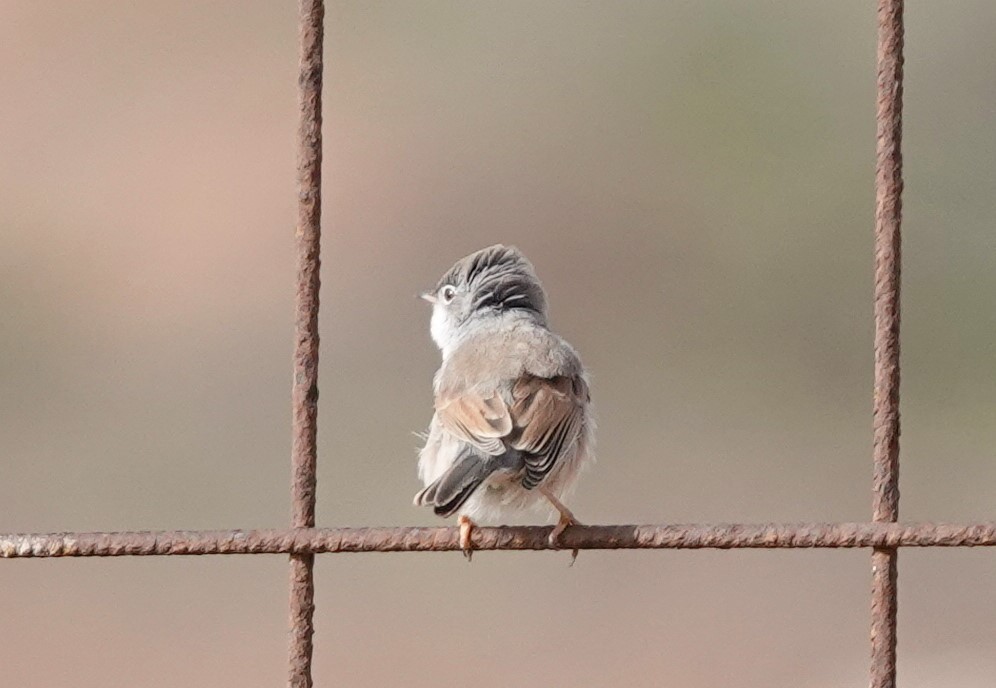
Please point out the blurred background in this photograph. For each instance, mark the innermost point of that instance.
(694, 183)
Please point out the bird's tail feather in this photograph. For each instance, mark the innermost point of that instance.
(454, 487)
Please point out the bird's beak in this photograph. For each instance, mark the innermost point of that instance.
(428, 296)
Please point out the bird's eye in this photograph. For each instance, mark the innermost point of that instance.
(447, 293)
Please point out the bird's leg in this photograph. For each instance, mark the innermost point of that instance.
(466, 526)
(566, 519)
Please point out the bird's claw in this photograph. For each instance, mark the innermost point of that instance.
(466, 528)
(562, 525)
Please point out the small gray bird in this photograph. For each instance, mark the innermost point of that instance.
(512, 427)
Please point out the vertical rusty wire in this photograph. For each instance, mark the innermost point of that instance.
(888, 219)
(304, 392)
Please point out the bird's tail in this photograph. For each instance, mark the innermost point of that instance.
(454, 487)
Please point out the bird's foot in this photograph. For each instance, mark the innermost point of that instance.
(566, 519)
(466, 527)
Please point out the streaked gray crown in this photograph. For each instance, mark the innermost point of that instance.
(497, 278)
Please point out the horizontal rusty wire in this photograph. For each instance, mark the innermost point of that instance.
(417, 539)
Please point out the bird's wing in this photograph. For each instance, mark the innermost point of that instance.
(547, 416)
(481, 420)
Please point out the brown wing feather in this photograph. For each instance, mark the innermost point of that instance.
(543, 421)
(547, 415)
(477, 420)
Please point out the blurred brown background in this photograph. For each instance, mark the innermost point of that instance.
(693, 181)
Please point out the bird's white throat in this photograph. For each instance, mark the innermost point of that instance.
(444, 331)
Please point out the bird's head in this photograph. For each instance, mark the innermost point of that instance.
(486, 284)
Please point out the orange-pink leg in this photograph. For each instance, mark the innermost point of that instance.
(565, 519)
(466, 527)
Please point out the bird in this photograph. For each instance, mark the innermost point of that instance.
(513, 426)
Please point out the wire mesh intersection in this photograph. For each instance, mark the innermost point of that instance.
(302, 541)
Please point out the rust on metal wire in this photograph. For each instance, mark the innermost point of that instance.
(304, 453)
(888, 216)
(303, 541)
(888, 222)
(310, 541)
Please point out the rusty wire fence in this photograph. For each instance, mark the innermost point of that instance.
(884, 535)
